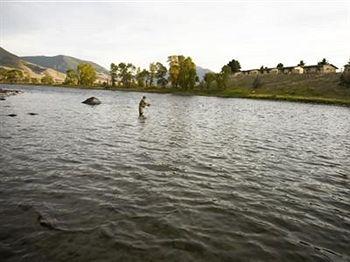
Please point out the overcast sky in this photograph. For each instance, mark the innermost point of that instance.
(212, 33)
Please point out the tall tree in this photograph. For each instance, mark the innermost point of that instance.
(141, 77)
(224, 76)
(174, 70)
(161, 74)
(152, 73)
(86, 74)
(279, 66)
(113, 73)
(209, 78)
(188, 74)
(235, 66)
(126, 74)
(71, 77)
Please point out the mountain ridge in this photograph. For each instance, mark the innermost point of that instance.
(9, 60)
(62, 63)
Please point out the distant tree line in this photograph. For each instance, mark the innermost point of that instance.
(181, 74)
(15, 76)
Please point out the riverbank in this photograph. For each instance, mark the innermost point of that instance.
(323, 89)
(227, 93)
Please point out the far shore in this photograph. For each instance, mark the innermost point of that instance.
(223, 93)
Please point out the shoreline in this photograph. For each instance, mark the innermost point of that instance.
(213, 93)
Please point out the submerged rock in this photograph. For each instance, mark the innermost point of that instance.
(5, 92)
(33, 114)
(92, 101)
(12, 115)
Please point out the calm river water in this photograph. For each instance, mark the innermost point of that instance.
(200, 179)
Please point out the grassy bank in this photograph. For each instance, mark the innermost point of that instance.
(323, 89)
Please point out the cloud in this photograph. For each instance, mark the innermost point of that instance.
(212, 33)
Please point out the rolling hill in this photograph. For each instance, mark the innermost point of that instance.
(62, 63)
(32, 70)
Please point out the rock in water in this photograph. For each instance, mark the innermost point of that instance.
(12, 115)
(92, 101)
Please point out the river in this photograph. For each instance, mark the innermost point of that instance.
(199, 179)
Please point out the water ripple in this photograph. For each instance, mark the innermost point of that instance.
(200, 179)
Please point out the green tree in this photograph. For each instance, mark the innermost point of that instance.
(47, 80)
(113, 73)
(161, 74)
(26, 79)
(209, 78)
(152, 73)
(279, 66)
(234, 65)
(224, 76)
(261, 70)
(323, 62)
(174, 69)
(301, 63)
(141, 77)
(71, 77)
(86, 74)
(34, 80)
(345, 76)
(14, 76)
(188, 74)
(3, 72)
(126, 74)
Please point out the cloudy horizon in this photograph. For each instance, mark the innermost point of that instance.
(256, 34)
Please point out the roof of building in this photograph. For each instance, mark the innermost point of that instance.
(318, 66)
(290, 67)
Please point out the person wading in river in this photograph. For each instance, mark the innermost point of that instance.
(142, 106)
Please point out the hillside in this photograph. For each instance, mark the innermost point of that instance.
(31, 70)
(323, 88)
(10, 60)
(62, 63)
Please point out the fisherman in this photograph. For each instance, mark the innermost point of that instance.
(142, 106)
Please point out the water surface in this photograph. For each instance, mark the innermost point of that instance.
(200, 179)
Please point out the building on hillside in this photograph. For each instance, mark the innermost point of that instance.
(316, 69)
(250, 72)
(320, 69)
(292, 70)
(273, 71)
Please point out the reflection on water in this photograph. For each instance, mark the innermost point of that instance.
(200, 179)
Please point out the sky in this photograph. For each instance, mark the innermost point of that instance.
(211, 32)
